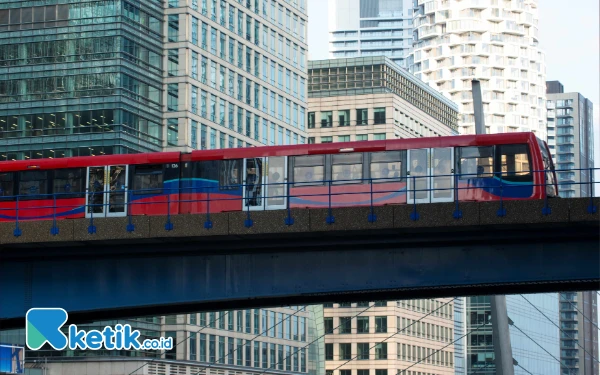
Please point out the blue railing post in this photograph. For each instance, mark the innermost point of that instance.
(92, 227)
(289, 220)
(169, 224)
(248, 222)
(414, 216)
(208, 224)
(130, 226)
(457, 214)
(546, 210)
(372, 217)
(54, 229)
(592, 208)
(17, 232)
(501, 211)
(330, 219)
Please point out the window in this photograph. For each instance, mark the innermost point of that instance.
(309, 170)
(382, 372)
(328, 322)
(379, 114)
(326, 119)
(345, 324)
(362, 349)
(362, 372)
(514, 163)
(387, 166)
(379, 137)
(311, 120)
(329, 352)
(33, 183)
(345, 351)
(344, 138)
(475, 162)
(347, 168)
(230, 177)
(362, 324)
(6, 184)
(326, 139)
(68, 183)
(362, 116)
(381, 324)
(381, 350)
(148, 179)
(362, 137)
(344, 117)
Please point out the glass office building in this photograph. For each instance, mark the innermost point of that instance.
(533, 332)
(80, 78)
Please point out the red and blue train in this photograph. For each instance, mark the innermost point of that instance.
(421, 170)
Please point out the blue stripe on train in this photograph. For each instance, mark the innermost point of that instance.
(497, 187)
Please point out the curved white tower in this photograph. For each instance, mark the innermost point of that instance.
(494, 41)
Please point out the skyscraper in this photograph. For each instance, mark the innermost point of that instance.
(493, 41)
(391, 337)
(236, 73)
(571, 139)
(579, 335)
(370, 28)
(83, 78)
(532, 334)
(372, 98)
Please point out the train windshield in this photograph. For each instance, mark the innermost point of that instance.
(548, 168)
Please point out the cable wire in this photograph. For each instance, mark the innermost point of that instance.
(246, 342)
(443, 347)
(524, 369)
(560, 329)
(397, 332)
(221, 316)
(575, 305)
(535, 342)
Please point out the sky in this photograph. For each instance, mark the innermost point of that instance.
(569, 35)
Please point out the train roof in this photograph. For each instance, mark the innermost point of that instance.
(287, 150)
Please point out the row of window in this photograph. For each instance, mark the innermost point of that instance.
(84, 13)
(424, 330)
(344, 324)
(240, 352)
(343, 118)
(71, 182)
(259, 322)
(348, 138)
(433, 306)
(405, 352)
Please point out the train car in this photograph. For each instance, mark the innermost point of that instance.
(94, 186)
(421, 170)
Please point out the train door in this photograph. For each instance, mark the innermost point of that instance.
(265, 185)
(106, 191)
(430, 175)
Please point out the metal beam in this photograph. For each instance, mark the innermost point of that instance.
(478, 107)
(151, 284)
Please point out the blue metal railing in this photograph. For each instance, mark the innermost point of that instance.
(125, 206)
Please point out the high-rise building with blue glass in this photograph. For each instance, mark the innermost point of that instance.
(80, 78)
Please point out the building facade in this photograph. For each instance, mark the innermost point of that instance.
(388, 337)
(236, 73)
(493, 41)
(371, 98)
(370, 28)
(287, 340)
(80, 79)
(571, 140)
(579, 333)
(533, 334)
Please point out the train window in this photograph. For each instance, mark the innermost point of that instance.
(230, 174)
(309, 170)
(7, 183)
(514, 163)
(148, 179)
(475, 162)
(69, 183)
(347, 168)
(386, 166)
(549, 168)
(32, 183)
